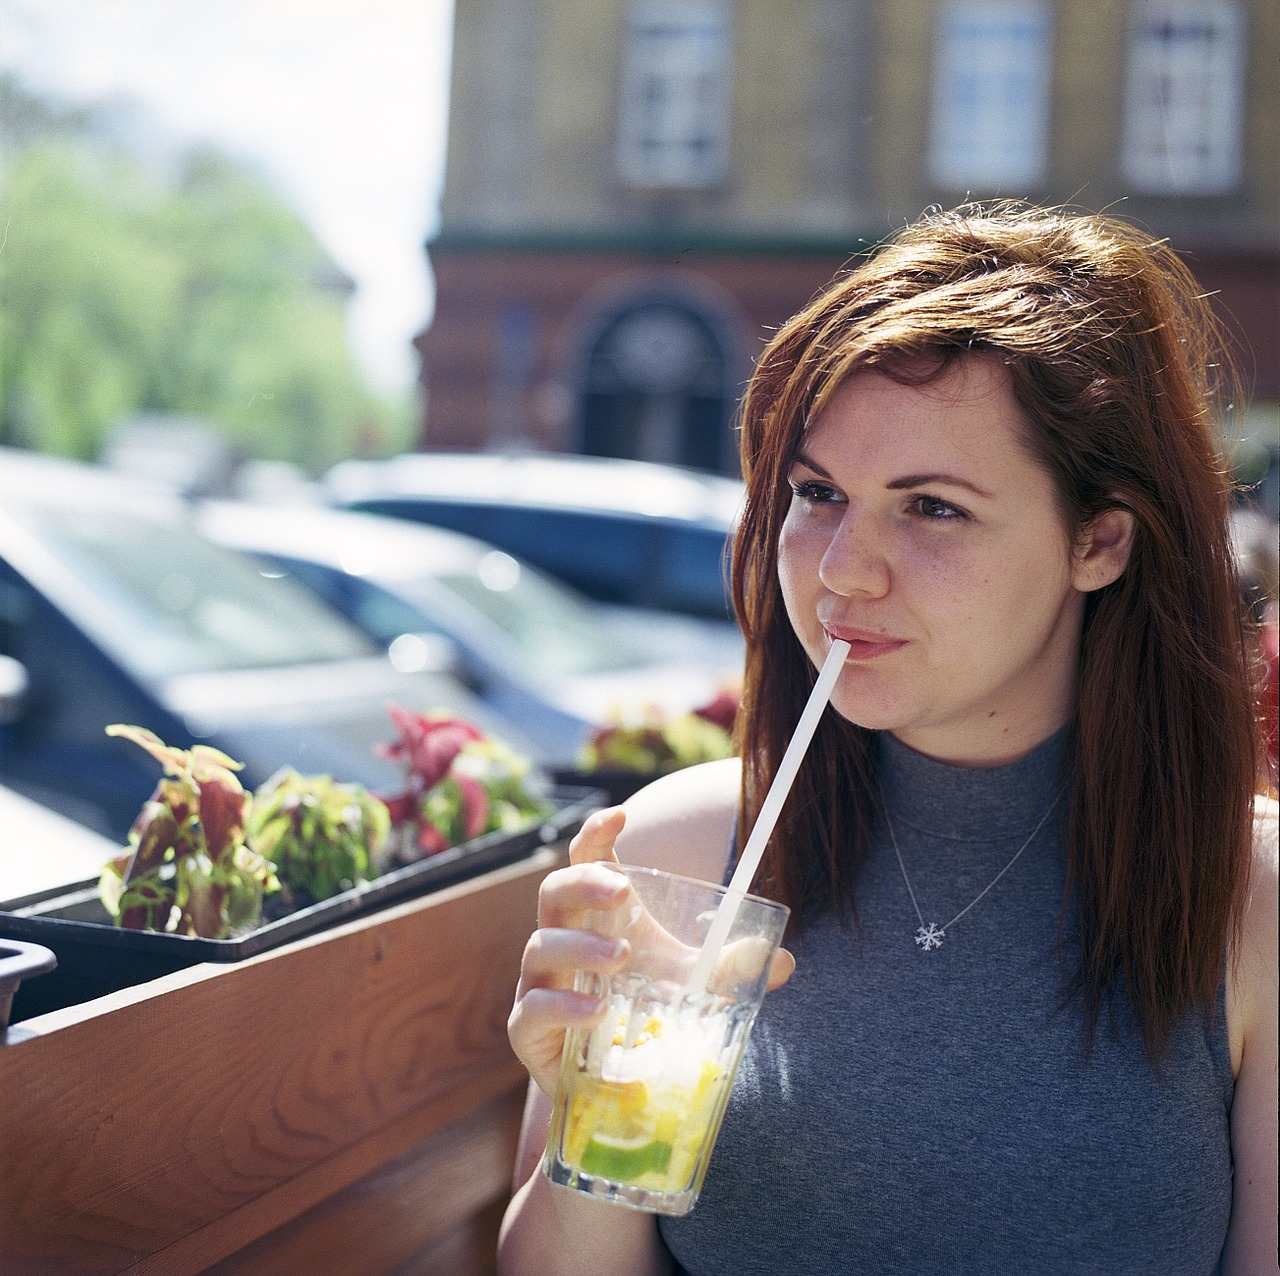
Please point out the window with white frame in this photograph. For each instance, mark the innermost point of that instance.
(990, 125)
(1184, 97)
(673, 118)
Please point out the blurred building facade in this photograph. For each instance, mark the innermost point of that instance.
(638, 192)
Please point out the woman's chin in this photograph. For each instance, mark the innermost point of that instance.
(870, 714)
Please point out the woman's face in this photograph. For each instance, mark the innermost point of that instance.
(922, 531)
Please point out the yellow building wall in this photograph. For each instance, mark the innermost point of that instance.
(576, 69)
(773, 111)
(899, 137)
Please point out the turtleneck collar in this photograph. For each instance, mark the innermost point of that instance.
(968, 802)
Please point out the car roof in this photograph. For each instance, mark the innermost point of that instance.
(353, 542)
(553, 480)
(31, 481)
(36, 479)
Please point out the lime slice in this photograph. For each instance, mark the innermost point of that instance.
(624, 1160)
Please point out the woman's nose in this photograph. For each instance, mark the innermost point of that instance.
(854, 561)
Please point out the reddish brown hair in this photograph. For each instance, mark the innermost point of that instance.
(1115, 359)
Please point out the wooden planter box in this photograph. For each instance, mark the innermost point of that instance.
(346, 1103)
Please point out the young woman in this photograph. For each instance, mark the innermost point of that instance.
(1032, 1019)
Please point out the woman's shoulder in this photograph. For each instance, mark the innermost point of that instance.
(1261, 905)
(683, 822)
(1262, 901)
(1266, 827)
(1253, 1028)
(1252, 977)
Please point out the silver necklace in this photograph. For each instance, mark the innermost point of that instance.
(930, 935)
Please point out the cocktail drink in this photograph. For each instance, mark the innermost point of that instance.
(641, 1095)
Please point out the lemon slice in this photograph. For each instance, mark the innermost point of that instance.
(624, 1160)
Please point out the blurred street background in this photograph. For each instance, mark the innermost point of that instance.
(330, 252)
(339, 228)
(368, 378)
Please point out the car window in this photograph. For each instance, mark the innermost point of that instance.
(456, 516)
(374, 609)
(549, 628)
(165, 602)
(691, 571)
(328, 584)
(379, 612)
(615, 558)
(605, 556)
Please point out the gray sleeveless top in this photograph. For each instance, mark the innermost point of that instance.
(907, 1111)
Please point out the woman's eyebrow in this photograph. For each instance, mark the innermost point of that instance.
(905, 483)
(803, 458)
(925, 480)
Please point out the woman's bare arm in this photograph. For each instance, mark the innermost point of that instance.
(1253, 988)
(681, 824)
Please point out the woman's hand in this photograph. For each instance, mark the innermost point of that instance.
(546, 1005)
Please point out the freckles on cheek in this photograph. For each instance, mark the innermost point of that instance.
(937, 572)
(952, 561)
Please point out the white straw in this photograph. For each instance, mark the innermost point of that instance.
(771, 808)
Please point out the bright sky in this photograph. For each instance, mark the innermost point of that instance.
(343, 102)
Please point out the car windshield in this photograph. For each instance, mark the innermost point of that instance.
(553, 629)
(165, 602)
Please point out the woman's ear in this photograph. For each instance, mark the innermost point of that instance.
(1102, 550)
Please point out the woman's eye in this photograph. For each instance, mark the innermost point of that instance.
(930, 507)
(814, 492)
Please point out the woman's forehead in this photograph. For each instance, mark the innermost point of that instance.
(971, 381)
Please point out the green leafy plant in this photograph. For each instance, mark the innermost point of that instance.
(132, 283)
(655, 742)
(323, 836)
(459, 784)
(188, 869)
(204, 853)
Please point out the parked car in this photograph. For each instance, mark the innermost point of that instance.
(620, 531)
(543, 656)
(113, 608)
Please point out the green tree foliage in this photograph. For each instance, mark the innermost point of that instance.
(185, 286)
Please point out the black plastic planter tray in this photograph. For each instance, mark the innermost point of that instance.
(95, 957)
(616, 786)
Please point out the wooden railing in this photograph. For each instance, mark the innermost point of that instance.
(347, 1103)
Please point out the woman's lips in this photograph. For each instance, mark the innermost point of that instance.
(864, 645)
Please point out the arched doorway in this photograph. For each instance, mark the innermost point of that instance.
(658, 381)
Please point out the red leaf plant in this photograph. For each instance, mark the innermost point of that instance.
(194, 821)
(459, 784)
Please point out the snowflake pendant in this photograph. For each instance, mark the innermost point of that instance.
(930, 936)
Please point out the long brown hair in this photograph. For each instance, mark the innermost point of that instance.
(1115, 360)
